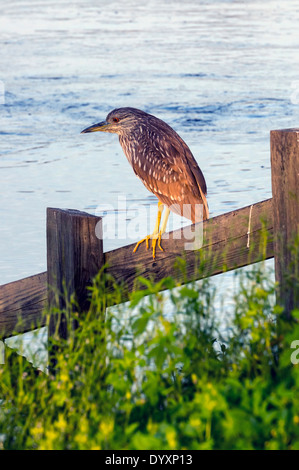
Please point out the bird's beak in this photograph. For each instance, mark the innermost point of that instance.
(101, 126)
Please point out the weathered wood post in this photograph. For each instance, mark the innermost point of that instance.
(74, 257)
(285, 189)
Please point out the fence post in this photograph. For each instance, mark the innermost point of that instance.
(285, 190)
(74, 257)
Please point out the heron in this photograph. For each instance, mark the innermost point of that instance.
(163, 162)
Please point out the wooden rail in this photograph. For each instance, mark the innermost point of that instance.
(238, 238)
(225, 240)
(22, 303)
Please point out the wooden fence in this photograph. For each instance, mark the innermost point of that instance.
(248, 235)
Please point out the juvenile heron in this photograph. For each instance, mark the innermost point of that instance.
(163, 162)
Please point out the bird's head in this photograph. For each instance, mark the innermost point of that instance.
(119, 121)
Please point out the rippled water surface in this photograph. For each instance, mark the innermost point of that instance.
(222, 73)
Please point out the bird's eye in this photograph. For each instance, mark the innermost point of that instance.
(115, 119)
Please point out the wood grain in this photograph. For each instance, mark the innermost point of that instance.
(74, 257)
(225, 241)
(224, 248)
(285, 188)
(22, 304)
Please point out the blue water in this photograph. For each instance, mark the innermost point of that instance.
(222, 73)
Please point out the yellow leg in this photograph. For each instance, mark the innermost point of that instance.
(156, 235)
(160, 233)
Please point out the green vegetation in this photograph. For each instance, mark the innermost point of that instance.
(161, 373)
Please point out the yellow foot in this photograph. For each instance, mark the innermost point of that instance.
(156, 237)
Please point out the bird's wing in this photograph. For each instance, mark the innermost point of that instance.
(195, 188)
(168, 169)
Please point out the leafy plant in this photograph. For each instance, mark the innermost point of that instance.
(159, 373)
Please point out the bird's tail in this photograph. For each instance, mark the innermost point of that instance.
(205, 207)
(205, 213)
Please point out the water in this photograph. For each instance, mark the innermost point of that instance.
(222, 73)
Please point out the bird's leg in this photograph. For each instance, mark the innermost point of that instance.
(160, 233)
(155, 235)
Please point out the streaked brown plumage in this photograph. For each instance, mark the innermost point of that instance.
(161, 159)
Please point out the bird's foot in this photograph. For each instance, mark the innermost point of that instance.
(156, 237)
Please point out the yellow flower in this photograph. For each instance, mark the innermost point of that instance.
(166, 324)
(61, 423)
(64, 377)
(81, 438)
(37, 430)
(195, 422)
(194, 378)
(210, 404)
(212, 389)
(171, 438)
(51, 436)
(152, 427)
(106, 427)
(84, 425)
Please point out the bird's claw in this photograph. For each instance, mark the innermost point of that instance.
(156, 237)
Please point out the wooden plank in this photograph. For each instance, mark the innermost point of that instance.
(74, 257)
(22, 303)
(225, 241)
(224, 248)
(285, 187)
